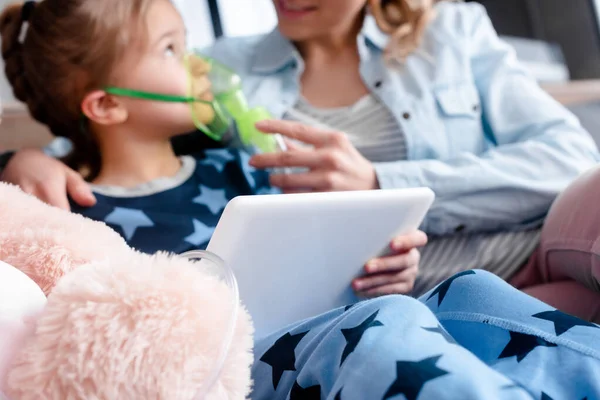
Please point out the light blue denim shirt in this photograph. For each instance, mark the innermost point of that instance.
(494, 147)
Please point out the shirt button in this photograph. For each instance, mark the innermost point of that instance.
(476, 107)
(406, 116)
(378, 84)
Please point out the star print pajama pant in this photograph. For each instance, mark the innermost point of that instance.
(472, 337)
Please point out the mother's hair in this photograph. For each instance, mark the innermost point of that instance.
(405, 21)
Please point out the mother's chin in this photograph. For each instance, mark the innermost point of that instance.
(302, 20)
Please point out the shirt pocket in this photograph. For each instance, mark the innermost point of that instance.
(459, 108)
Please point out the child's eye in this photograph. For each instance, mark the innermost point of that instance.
(170, 51)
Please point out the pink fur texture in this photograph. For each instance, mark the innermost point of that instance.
(118, 324)
(146, 327)
(46, 243)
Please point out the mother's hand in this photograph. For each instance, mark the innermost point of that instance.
(333, 165)
(47, 179)
(395, 273)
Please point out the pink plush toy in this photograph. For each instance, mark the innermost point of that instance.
(21, 303)
(117, 324)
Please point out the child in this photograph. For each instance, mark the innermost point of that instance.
(76, 53)
(156, 200)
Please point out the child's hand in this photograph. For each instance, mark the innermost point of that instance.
(393, 274)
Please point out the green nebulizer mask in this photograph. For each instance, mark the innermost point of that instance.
(227, 89)
(207, 114)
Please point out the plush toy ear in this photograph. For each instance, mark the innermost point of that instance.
(21, 303)
(46, 243)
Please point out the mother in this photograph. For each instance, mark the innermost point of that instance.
(399, 93)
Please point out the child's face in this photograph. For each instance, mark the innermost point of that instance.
(160, 68)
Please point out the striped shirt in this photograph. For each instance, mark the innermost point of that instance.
(374, 132)
(370, 127)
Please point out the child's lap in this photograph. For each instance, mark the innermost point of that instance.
(501, 344)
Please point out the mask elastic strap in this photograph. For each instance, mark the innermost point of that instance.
(138, 94)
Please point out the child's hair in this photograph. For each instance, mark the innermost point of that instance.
(69, 48)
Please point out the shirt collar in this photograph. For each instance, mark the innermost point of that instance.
(275, 52)
(375, 36)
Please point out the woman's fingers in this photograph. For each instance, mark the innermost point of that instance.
(393, 274)
(44, 177)
(294, 146)
(396, 262)
(53, 193)
(401, 282)
(79, 190)
(290, 158)
(298, 131)
(409, 241)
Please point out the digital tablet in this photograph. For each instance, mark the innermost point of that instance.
(294, 256)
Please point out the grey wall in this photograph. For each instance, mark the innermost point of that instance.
(573, 24)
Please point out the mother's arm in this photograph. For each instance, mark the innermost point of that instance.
(541, 148)
(41, 174)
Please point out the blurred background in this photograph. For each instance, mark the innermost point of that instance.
(557, 40)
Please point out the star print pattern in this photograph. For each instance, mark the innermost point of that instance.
(249, 172)
(129, 220)
(411, 376)
(202, 233)
(338, 396)
(214, 199)
(354, 335)
(521, 345)
(310, 393)
(563, 322)
(218, 158)
(442, 289)
(386, 355)
(182, 218)
(282, 355)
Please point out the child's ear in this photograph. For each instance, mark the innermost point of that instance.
(103, 108)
